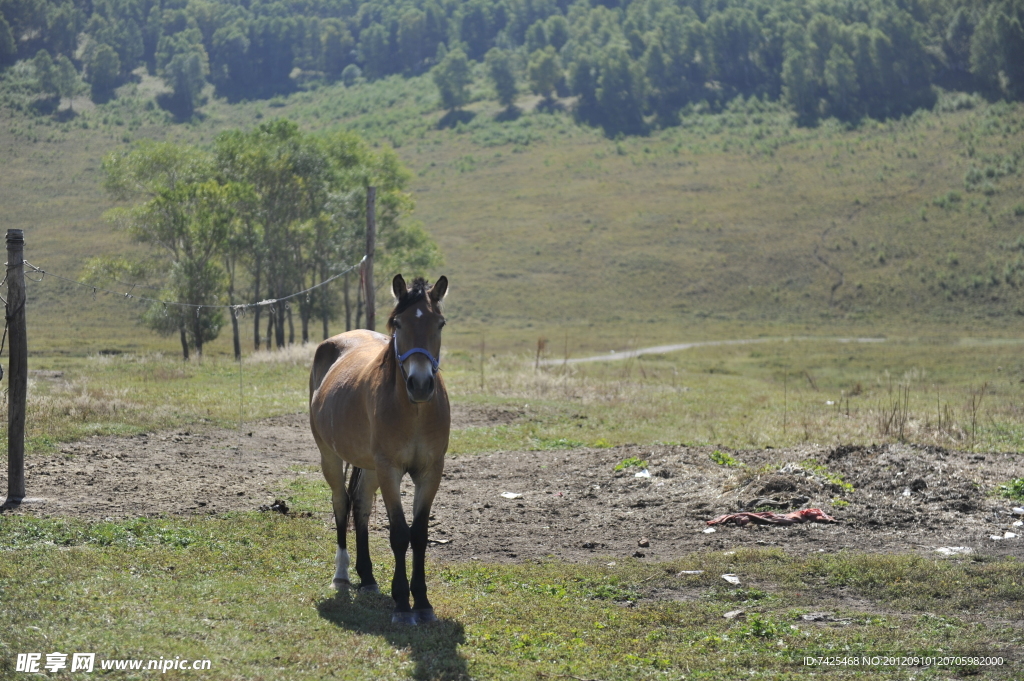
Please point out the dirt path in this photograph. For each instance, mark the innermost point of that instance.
(574, 505)
(662, 349)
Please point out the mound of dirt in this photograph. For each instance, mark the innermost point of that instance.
(569, 504)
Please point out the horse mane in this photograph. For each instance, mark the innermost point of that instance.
(414, 294)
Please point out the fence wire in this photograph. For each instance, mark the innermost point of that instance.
(235, 309)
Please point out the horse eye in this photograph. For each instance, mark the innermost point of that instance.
(397, 324)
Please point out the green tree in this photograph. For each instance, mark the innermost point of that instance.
(556, 28)
(62, 27)
(337, 46)
(307, 216)
(477, 23)
(350, 75)
(452, 77)
(499, 68)
(544, 72)
(997, 48)
(536, 37)
(798, 84)
(183, 213)
(621, 93)
(66, 81)
(841, 81)
(412, 39)
(184, 65)
(103, 72)
(8, 46)
(583, 82)
(46, 72)
(375, 52)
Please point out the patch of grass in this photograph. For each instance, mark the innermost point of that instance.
(555, 443)
(631, 462)
(724, 458)
(1013, 489)
(832, 477)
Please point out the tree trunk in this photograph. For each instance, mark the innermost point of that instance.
(258, 309)
(279, 324)
(325, 312)
(198, 326)
(234, 314)
(304, 317)
(291, 326)
(359, 308)
(270, 327)
(184, 340)
(348, 307)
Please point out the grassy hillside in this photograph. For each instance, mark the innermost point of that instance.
(734, 224)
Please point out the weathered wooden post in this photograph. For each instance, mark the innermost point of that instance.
(371, 243)
(17, 370)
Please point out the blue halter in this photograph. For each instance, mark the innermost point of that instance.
(434, 363)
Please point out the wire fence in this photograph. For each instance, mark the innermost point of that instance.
(236, 309)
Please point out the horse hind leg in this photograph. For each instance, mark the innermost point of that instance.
(361, 490)
(340, 502)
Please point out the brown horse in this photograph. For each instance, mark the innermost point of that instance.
(378, 405)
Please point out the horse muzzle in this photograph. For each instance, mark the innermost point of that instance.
(419, 377)
(420, 387)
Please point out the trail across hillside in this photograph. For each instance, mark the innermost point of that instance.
(662, 349)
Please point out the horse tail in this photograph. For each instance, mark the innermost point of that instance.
(327, 353)
(353, 483)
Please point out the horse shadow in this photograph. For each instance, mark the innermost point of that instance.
(434, 646)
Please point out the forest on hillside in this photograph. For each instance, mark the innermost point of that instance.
(631, 64)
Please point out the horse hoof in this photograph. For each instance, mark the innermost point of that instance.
(369, 589)
(425, 616)
(340, 584)
(406, 617)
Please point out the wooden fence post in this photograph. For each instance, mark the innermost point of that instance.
(371, 243)
(17, 371)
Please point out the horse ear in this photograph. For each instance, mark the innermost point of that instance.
(439, 288)
(398, 287)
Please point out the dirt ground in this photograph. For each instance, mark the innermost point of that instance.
(573, 504)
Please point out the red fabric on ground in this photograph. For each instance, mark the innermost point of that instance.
(807, 515)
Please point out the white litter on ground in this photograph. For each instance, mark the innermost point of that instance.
(732, 579)
(954, 550)
(511, 495)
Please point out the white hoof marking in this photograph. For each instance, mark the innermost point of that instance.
(341, 567)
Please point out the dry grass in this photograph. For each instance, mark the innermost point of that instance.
(779, 394)
(299, 354)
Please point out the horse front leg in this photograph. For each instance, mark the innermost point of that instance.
(390, 491)
(426, 487)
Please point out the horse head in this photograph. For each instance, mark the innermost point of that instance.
(415, 325)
